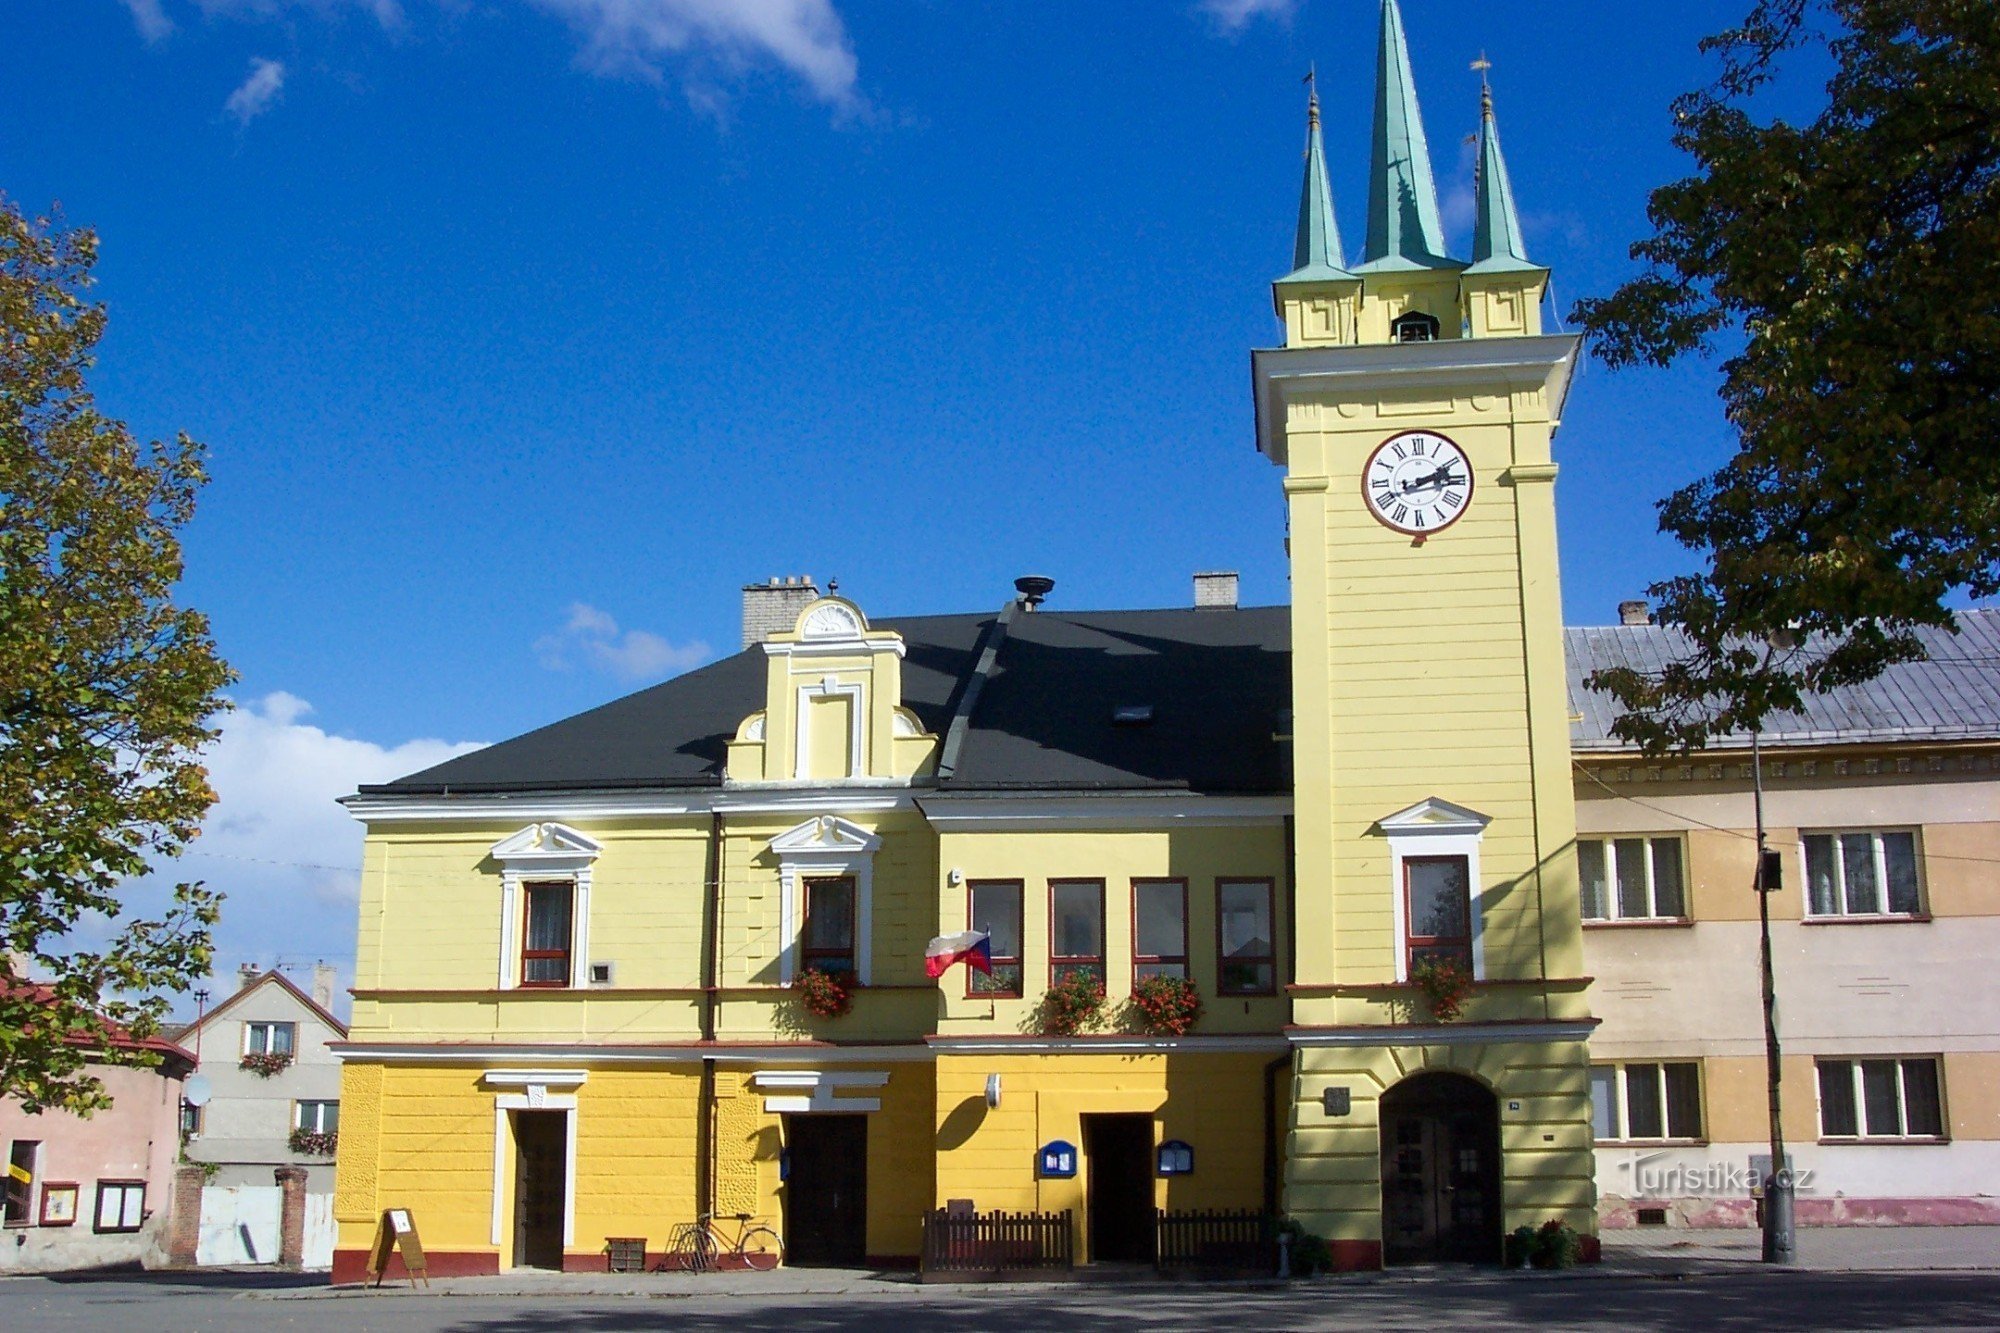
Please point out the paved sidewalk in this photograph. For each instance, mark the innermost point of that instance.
(1650, 1253)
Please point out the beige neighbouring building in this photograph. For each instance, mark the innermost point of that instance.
(1883, 803)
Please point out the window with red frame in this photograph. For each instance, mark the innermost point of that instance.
(1076, 928)
(1159, 928)
(994, 906)
(1438, 905)
(545, 942)
(1246, 958)
(827, 941)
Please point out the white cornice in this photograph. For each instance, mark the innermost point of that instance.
(1132, 1045)
(505, 1056)
(956, 813)
(1548, 358)
(486, 807)
(1444, 1034)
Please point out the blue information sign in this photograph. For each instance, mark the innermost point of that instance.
(1058, 1160)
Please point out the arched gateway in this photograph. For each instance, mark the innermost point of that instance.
(1440, 1171)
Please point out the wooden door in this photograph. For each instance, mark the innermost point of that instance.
(826, 1191)
(1118, 1196)
(541, 1153)
(1440, 1172)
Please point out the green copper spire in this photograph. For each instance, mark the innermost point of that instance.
(1403, 227)
(1496, 237)
(1316, 254)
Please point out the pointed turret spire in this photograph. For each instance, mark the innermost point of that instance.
(1497, 246)
(1316, 253)
(1403, 227)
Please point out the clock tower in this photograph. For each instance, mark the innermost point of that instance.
(1440, 1080)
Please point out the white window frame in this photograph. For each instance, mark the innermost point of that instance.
(1609, 842)
(823, 847)
(299, 1114)
(1621, 1111)
(1874, 835)
(1862, 1134)
(545, 853)
(271, 1027)
(1435, 827)
(830, 687)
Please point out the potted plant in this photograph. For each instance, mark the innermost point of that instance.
(825, 994)
(1444, 983)
(266, 1063)
(1557, 1245)
(1166, 1006)
(1073, 1002)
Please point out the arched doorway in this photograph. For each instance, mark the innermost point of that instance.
(1440, 1171)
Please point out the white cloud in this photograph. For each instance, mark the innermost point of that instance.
(591, 637)
(1235, 15)
(150, 19)
(276, 843)
(256, 93)
(637, 37)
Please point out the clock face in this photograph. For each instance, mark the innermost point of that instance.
(1418, 482)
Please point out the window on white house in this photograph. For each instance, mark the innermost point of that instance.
(1631, 879)
(121, 1205)
(1861, 874)
(316, 1117)
(1646, 1100)
(270, 1038)
(1881, 1099)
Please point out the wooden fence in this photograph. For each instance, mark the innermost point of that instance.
(970, 1247)
(1213, 1241)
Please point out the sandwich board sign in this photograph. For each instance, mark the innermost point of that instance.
(397, 1233)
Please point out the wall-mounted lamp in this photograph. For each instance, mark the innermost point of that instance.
(993, 1091)
(954, 877)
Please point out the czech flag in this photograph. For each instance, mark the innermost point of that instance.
(974, 948)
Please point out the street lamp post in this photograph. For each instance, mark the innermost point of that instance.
(1780, 1244)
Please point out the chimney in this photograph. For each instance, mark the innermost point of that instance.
(773, 608)
(323, 978)
(1215, 590)
(1635, 612)
(247, 975)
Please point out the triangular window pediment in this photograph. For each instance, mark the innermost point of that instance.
(540, 844)
(1434, 815)
(823, 836)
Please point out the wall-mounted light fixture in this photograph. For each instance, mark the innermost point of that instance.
(993, 1091)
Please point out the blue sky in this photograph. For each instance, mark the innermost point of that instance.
(523, 332)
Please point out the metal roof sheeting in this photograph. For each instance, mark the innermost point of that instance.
(1953, 695)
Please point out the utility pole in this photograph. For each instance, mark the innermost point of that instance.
(1780, 1244)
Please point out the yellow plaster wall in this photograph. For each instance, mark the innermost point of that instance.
(1214, 1102)
(1200, 855)
(1333, 1180)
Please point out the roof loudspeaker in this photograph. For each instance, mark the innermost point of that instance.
(1034, 589)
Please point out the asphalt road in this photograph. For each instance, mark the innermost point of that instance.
(1760, 1301)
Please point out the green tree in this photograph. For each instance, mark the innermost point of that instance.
(1848, 269)
(106, 692)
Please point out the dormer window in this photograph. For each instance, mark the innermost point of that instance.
(1415, 327)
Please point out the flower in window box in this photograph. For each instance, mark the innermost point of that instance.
(825, 994)
(1073, 1002)
(1444, 983)
(266, 1063)
(312, 1143)
(1165, 1006)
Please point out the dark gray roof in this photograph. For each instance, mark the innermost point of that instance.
(1954, 695)
(1216, 680)
(1218, 683)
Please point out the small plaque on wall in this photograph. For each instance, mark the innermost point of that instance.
(1337, 1100)
(1058, 1160)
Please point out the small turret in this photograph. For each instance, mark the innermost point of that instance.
(1503, 288)
(1404, 231)
(1317, 299)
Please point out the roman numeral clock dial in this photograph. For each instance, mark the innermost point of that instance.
(1418, 482)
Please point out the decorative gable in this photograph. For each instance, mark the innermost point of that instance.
(833, 707)
(546, 848)
(826, 836)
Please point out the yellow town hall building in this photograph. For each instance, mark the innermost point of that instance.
(576, 1013)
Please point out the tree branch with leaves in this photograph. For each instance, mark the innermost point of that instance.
(107, 691)
(1848, 271)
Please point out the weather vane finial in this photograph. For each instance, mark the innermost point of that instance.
(1311, 82)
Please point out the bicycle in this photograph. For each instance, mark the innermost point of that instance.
(700, 1246)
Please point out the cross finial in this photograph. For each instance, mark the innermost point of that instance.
(1481, 65)
(1312, 96)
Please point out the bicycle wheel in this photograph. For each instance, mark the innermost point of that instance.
(761, 1249)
